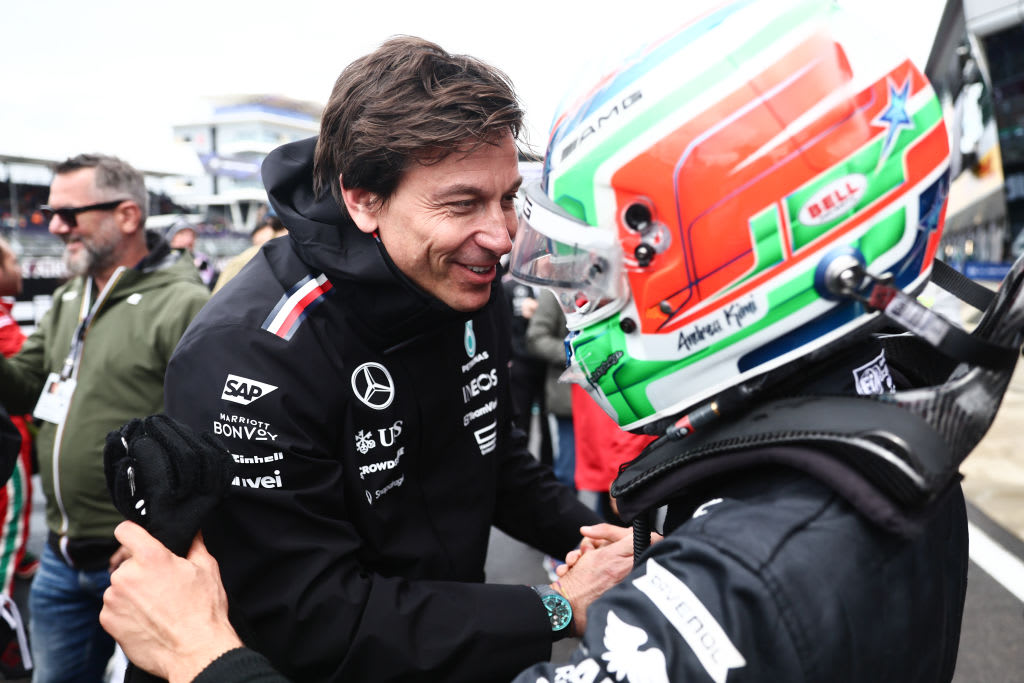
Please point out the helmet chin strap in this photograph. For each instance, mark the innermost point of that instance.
(878, 294)
(890, 455)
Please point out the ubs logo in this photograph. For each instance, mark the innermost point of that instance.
(372, 384)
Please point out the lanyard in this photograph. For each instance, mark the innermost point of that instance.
(85, 317)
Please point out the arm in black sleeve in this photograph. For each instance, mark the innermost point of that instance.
(240, 665)
(534, 507)
(295, 563)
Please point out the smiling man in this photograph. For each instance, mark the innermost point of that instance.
(358, 372)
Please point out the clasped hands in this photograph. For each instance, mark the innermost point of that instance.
(603, 559)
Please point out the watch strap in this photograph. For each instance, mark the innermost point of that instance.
(559, 610)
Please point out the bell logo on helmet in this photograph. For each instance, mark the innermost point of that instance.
(834, 200)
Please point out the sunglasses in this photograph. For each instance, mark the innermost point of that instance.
(69, 214)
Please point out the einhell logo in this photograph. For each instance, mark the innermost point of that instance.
(244, 390)
(833, 200)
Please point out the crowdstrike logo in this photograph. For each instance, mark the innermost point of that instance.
(244, 390)
(372, 384)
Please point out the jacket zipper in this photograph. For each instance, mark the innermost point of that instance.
(59, 436)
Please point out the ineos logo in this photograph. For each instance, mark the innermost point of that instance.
(372, 384)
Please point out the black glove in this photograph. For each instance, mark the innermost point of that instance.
(165, 478)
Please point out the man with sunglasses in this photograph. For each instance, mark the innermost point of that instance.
(97, 359)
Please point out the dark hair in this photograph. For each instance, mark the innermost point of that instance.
(114, 178)
(408, 100)
(272, 222)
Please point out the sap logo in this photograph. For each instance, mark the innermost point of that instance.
(481, 383)
(244, 390)
(833, 200)
(592, 128)
(267, 482)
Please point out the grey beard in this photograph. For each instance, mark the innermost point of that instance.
(93, 259)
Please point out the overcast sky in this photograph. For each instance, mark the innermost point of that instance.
(114, 76)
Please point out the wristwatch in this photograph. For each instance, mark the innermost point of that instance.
(559, 610)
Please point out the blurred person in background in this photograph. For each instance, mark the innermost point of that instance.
(96, 359)
(527, 372)
(16, 495)
(266, 229)
(601, 448)
(182, 235)
(545, 339)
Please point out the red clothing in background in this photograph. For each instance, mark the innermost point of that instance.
(601, 446)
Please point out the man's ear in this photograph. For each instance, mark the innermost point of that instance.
(362, 207)
(128, 217)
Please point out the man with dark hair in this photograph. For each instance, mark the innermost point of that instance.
(97, 359)
(358, 373)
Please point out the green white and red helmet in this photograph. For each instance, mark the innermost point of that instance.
(693, 202)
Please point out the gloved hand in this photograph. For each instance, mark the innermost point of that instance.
(165, 478)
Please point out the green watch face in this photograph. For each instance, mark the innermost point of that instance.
(559, 611)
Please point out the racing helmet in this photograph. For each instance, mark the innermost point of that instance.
(701, 204)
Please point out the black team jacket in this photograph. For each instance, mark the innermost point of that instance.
(373, 433)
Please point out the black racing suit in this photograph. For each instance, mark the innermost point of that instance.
(374, 437)
(772, 576)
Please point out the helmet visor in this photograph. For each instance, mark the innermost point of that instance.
(581, 264)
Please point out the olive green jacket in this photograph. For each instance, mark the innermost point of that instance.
(120, 376)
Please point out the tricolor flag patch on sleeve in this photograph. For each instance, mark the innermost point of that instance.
(295, 304)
